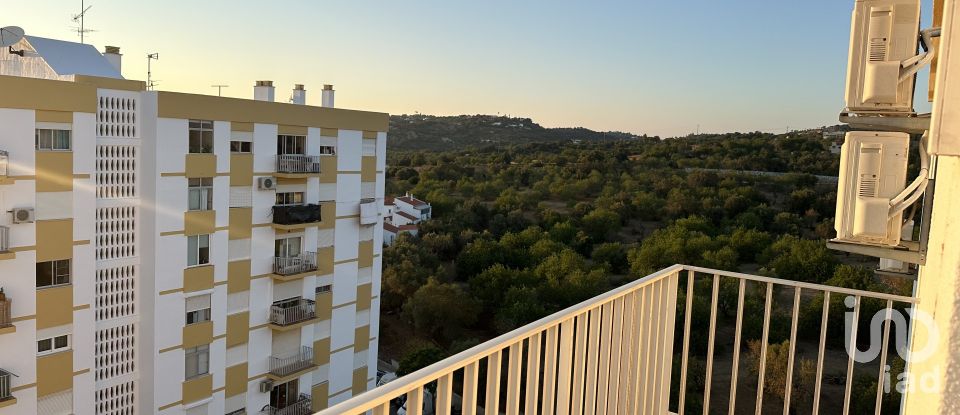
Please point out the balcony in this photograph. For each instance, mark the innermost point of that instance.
(289, 314)
(636, 349)
(283, 368)
(297, 165)
(293, 217)
(4, 168)
(6, 318)
(299, 407)
(5, 252)
(6, 398)
(288, 268)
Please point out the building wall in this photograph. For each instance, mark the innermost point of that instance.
(122, 216)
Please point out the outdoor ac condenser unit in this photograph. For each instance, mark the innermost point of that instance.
(873, 171)
(883, 39)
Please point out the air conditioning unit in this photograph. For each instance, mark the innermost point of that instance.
(23, 215)
(266, 386)
(267, 183)
(883, 56)
(873, 172)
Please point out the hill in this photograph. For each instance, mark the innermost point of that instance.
(460, 132)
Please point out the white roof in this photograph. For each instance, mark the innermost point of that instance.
(70, 58)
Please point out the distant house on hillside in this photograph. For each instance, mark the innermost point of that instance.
(403, 215)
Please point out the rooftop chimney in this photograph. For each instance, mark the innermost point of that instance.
(112, 53)
(299, 94)
(263, 91)
(326, 96)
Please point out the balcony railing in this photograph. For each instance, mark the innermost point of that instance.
(292, 265)
(4, 163)
(621, 352)
(5, 379)
(5, 316)
(300, 407)
(281, 366)
(296, 214)
(298, 163)
(4, 239)
(292, 312)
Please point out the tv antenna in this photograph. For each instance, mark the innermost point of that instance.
(78, 18)
(9, 36)
(219, 88)
(150, 82)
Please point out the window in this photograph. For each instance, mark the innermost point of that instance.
(57, 140)
(289, 198)
(200, 193)
(287, 247)
(328, 150)
(198, 309)
(285, 394)
(201, 136)
(198, 250)
(197, 361)
(291, 144)
(52, 273)
(323, 289)
(53, 344)
(241, 147)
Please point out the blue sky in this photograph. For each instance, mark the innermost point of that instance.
(659, 68)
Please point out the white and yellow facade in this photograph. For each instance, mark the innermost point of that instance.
(179, 299)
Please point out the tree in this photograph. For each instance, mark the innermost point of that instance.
(491, 285)
(419, 359)
(613, 255)
(775, 373)
(441, 310)
(478, 256)
(798, 259)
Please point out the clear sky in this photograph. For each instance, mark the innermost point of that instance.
(655, 67)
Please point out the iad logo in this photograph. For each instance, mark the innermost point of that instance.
(899, 333)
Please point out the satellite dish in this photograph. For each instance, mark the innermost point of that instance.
(10, 35)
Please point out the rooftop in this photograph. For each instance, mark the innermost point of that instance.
(71, 58)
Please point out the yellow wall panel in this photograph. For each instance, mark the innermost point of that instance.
(199, 222)
(54, 239)
(54, 306)
(241, 169)
(54, 373)
(238, 276)
(197, 334)
(198, 278)
(54, 171)
(238, 328)
(200, 165)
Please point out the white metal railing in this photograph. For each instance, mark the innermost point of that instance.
(298, 264)
(297, 163)
(299, 407)
(293, 363)
(5, 384)
(615, 353)
(292, 312)
(4, 239)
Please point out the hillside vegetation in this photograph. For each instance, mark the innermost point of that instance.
(522, 231)
(460, 132)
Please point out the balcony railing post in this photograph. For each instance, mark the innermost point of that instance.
(4, 384)
(4, 239)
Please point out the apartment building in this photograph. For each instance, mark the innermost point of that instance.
(177, 253)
